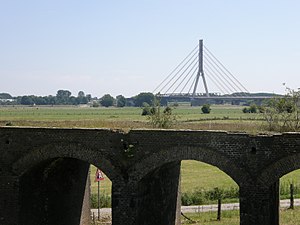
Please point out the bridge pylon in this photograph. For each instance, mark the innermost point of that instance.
(200, 71)
(199, 64)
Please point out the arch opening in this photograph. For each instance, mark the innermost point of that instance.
(289, 190)
(57, 191)
(163, 192)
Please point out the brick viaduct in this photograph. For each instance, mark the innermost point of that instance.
(43, 172)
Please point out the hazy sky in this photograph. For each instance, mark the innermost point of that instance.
(129, 46)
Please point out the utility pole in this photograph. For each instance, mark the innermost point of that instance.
(200, 71)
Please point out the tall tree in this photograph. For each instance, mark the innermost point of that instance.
(63, 96)
(121, 101)
(81, 98)
(5, 96)
(26, 100)
(146, 97)
(107, 100)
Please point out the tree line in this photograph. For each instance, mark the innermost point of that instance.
(65, 97)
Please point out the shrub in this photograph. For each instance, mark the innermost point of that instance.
(146, 109)
(245, 110)
(283, 114)
(252, 109)
(201, 196)
(206, 108)
(105, 201)
(160, 117)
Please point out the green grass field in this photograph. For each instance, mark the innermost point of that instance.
(221, 117)
(287, 217)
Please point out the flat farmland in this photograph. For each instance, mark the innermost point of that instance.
(221, 118)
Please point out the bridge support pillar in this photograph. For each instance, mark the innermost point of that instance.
(155, 199)
(158, 196)
(123, 205)
(9, 200)
(259, 205)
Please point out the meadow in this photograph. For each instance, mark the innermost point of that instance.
(194, 175)
(287, 217)
(226, 117)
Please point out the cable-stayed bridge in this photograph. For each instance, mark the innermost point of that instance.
(202, 66)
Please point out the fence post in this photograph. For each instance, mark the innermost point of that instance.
(219, 209)
(93, 218)
(291, 196)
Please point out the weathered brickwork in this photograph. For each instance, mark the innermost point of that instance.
(43, 172)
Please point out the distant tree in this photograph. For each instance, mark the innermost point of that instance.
(81, 98)
(107, 100)
(63, 97)
(81, 94)
(38, 100)
(89, 97)
(26, 100)
(147, 97)
(5, 96)
(72, 100)
(121, 101)
(49, 100)
(206, 108)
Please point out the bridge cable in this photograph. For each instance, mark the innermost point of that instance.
(235, 88)
(215, 81)
(214, 77)
(176, 68)
(191, 87)
(226, 69)
(182, 74)
(193, 75)
(219, 75)
(241, 87)
(221, 68)
(176, 74)
(188, 73)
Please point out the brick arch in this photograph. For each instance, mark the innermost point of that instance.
(42, 153)
(206, 155)
(279, 168)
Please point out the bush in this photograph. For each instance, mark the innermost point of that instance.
(193, 198)
(206, 108)
(252, 109)
(283, 114)
(201, 196)
(245, 110)
(105, 201)
(158, 116)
